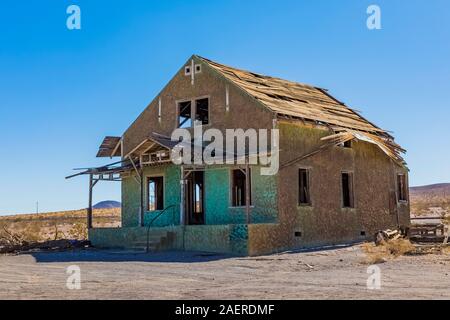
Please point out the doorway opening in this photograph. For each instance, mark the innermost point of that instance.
(195, 198)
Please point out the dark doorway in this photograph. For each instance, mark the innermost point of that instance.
(195, 198)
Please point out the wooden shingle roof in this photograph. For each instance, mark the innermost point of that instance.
(110, 147)
(308, 103)
(295, 99)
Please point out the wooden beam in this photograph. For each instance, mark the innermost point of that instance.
(151, 146)
(136, 148)
(135, 168)
(182, 196)
(247, 191)
(89, 210)
(116, 148)
(142, 198)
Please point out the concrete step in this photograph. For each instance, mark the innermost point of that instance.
(157, 233)
(157, 240)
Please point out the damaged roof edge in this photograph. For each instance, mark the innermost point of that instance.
(110, 147)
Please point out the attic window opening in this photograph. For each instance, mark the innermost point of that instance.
(202, 111)
(401, 184)
(184, 115)
(198, 68)
(187, 70)
(346, 144)
(347, 190)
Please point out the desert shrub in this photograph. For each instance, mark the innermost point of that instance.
(32, 232)
(78, 231)
(387, 250)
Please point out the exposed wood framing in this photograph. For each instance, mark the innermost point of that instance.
(247, 192)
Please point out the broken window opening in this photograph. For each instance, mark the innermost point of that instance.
(348, 144)
(401, 184)
(347, 190)
(202, 111)
(155, 193)
(303, 180)
(184, 116)
(187, 71)
(238, 188)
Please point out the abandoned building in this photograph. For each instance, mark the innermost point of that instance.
(340, 179)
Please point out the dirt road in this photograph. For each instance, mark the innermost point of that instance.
(333, 274)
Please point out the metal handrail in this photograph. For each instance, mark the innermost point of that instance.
(154, 219)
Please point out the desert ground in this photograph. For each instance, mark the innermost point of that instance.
(339, 273)
(407, 272)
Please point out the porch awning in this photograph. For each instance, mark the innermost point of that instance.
(110, 147)
(153, 143)
(111, 171)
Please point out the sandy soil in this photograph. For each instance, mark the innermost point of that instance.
(333, 274)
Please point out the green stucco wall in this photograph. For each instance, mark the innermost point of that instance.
(171, 216)
(218, 210)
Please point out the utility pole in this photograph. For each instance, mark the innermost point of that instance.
(37, 207)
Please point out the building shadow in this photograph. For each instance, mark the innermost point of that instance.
(110, 255)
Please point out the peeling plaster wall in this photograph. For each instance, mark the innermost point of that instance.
(130, 202)
(207, 83)
(218, 200)
(171, 174)
(229, 239)
(326, 222)
(127, 237)
(218, 210)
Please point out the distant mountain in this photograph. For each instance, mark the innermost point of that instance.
(430, 200)
(107, 204)
(440, 188)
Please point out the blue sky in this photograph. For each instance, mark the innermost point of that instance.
(62, 91)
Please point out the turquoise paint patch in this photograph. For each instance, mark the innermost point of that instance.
(218, 210)
(239, 239)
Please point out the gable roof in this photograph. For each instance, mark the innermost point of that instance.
(308, 103)
(295, 99)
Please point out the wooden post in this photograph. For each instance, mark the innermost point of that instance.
(247, 191)
(142, 198)
(89, 210)
(182, 197)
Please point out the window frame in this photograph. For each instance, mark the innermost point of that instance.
(188, 70)
(402, 191)
(193, 102)
(178, 105)
(351, 190)
(231, 183)
(308, 180)
(147, 192)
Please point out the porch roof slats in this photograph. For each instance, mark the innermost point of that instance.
(109, 148)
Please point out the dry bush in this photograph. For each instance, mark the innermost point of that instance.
(387, 250)
(58, 225)
(78, 231)
(446, 250)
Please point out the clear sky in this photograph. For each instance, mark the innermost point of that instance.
(62, 91)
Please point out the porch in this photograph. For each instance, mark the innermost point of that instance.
(201, 208)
